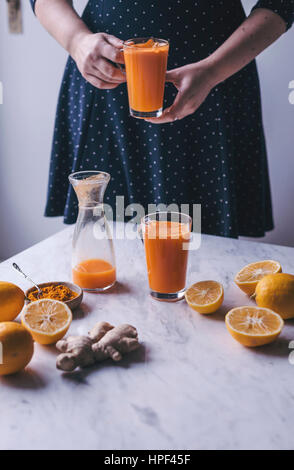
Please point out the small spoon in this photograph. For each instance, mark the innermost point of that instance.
(28, 278)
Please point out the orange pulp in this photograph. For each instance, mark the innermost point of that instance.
(94, 274)
(165, 255)
(145, 69)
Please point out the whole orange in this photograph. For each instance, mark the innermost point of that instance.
(11, 301)
(276, 292)
(16, 348)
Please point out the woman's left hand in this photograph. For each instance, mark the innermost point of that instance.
(193, 82)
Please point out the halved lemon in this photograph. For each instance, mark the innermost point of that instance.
(47, 320)
(254, 326)
(205, 296)
(248, 277)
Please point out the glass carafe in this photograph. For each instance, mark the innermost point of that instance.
(93, 259)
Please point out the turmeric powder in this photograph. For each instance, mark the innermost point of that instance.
(53, 291)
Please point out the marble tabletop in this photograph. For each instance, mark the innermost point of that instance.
(190, 386)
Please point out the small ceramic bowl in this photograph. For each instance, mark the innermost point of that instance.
(72, 304)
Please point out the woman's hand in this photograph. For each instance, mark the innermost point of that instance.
(193, 82)
(96, 56)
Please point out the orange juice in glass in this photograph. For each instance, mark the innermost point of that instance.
(93, 274)
(146, 63)
(166, 238)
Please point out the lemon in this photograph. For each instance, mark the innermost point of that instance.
(248, 277)
(16, 348)
(11, 301)
(205, 296)
(47, 320)
(276, 291)
(254, 326)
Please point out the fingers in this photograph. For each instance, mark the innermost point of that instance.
(112, 53)
(114, 41)
(178, 110)
(110, 79)
(166, 117)
(97, 58)
(99, 83)
(118, 44)
(172, 76)
(109, 72)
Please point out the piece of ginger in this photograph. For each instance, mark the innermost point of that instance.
(116, 342)
(103, 341)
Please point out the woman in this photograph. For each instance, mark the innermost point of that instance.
(209, 147)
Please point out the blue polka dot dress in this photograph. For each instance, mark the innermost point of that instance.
(215, 158)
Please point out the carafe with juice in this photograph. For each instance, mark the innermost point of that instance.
(166, 237)
(93, 259)
(146, 63)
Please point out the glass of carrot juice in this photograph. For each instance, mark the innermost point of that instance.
(166, 237)
(146, 63)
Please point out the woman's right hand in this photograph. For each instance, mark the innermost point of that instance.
(96, 56)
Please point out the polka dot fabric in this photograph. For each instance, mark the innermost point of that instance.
(284, 8)
(215, 157)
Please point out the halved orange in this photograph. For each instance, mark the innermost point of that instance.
(254, 326)
(47, 320)
(248, 277)
(205, 296)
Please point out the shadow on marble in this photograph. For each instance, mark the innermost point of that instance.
(118, 288)
(28, 379)
(279, 348)
(50, 348)
(80, 375)
(220, 314)
(81, 312)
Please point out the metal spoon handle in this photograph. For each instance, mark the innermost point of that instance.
(26, 277)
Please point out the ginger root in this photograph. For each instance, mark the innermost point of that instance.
(115, 343)
(103, 341)
(77, 352)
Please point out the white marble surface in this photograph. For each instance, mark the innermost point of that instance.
(191, 386)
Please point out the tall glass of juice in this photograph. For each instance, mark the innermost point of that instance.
(146, 63)
(166, 238)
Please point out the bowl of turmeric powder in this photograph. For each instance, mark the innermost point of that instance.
(67, 292)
